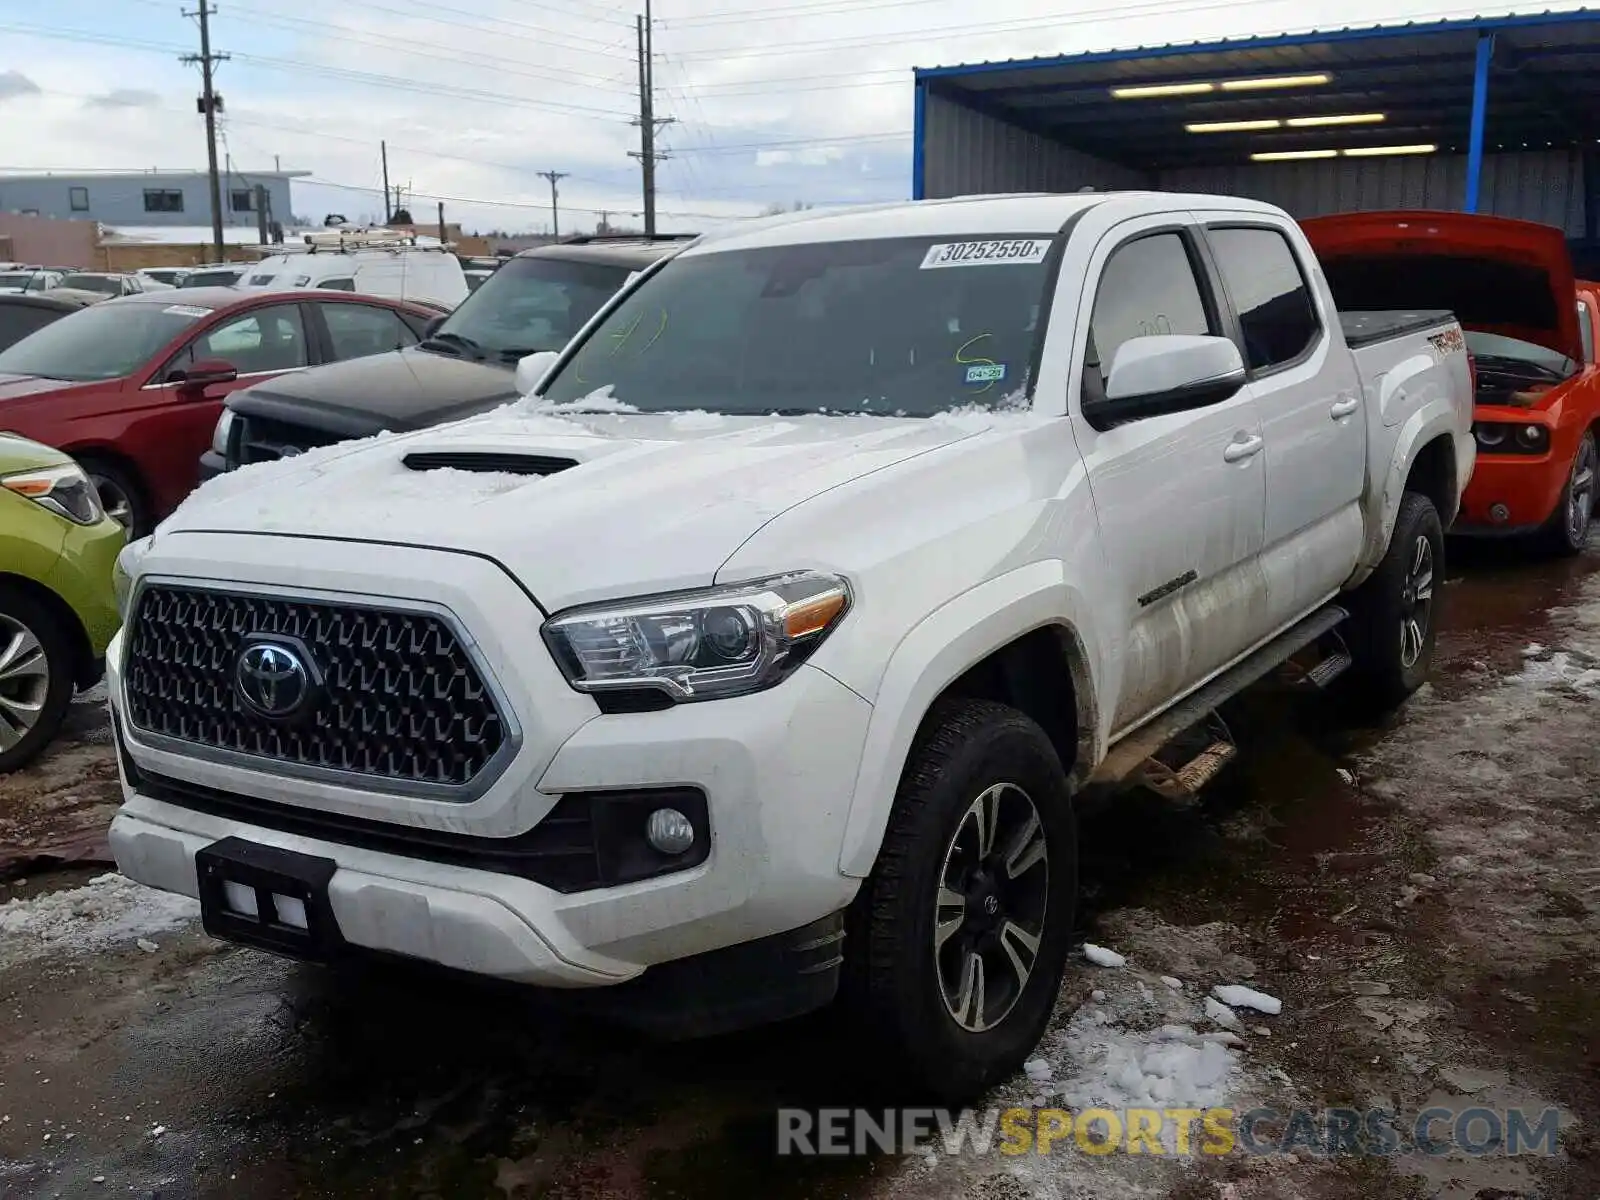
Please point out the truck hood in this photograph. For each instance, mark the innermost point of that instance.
(626, 504)
(1498, 275)
(401, 390)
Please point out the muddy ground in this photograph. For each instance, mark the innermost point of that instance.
(1422, 898)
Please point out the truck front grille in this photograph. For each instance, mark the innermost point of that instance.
(399, 698)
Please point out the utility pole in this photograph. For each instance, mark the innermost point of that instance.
(210, 103)
(442, 238)
(649, 124)
(555, 215)
(261, 212)
(383, 149)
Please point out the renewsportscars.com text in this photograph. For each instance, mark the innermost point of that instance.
(1178, 1132)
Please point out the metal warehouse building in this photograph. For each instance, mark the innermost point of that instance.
(145, 197)
(1491, 114)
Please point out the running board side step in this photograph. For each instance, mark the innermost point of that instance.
(1132, 754)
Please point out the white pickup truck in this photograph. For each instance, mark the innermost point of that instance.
(760, 654)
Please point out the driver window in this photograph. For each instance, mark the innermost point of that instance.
(267, 339)
(1148, 287)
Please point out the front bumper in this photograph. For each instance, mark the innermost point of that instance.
(777, 770)
(1511, 494)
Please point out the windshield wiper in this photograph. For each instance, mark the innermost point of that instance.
(452, 343)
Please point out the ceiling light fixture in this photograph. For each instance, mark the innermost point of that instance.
(1233, 126)
(1161, 89)
(1345, 119)
(1375, 151)
(1276, 81)
(1288, 155)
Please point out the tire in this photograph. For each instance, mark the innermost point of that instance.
(912, 992)
(121, 495)
(1567, 531)
(1394, 614)
(36, 677)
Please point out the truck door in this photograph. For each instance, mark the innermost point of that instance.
(1180, 497)
(1309, 396)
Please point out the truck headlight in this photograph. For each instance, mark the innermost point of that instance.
(64, 490)
(219, 438)
(125, 571)
(700, 645)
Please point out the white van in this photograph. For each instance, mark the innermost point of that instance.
(377, 263)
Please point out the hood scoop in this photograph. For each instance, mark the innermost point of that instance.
(496, 463)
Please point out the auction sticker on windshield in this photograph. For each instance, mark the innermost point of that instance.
(187, 310)
(986, 254)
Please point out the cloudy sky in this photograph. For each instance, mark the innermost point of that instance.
(775, 101)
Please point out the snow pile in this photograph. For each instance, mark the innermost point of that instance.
(1101, 957)
(698, 419)
(1237, 996)
(1101, 1065)
(1560, 669)
(107, 912)
(600, 400)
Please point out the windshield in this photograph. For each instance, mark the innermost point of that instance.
(16, 279)
(903, 327)
(1494, 346)
(105, 341)
(211, 279)
(530, 304)
(108, 285)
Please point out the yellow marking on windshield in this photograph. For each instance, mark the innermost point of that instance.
(976, 362)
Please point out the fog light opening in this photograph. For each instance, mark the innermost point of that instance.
(1499, 514)
(669, 831)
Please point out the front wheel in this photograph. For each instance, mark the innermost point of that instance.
(1393, 619)
(959, 939)
(36, 678)
(1567, 531)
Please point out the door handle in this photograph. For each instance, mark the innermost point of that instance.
(1239, 451)
(1344, 407)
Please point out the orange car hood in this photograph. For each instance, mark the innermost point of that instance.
(1498, 275)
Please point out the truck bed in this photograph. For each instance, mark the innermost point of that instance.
(1370, 326)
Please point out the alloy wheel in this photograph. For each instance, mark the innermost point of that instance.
(1416, 602)
(1581, 493)
(24, 681)
(994, 893)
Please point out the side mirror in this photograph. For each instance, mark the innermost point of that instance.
(203, 374)
(532, 369)
(1167, 373)
(432, 327)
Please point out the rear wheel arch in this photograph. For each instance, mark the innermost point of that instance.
(1433, 474)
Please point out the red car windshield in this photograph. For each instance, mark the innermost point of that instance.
(106, 341)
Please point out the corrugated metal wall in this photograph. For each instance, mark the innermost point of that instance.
(966, 152)
(1544, 186)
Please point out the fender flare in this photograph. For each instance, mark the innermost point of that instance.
(936, 652)
(1435, 419)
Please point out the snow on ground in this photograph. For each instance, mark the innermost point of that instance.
(1101, 957)
(109, 912)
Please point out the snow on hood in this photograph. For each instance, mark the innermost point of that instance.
(655, 501)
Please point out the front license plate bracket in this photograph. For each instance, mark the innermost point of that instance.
(292, 914)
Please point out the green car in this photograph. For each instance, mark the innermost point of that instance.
(57, 604)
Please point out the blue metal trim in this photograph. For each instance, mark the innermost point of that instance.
(1480, 106)
(1579, 16)
(919, 130)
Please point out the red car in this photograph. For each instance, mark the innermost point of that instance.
(132, 388)
(1530, 332)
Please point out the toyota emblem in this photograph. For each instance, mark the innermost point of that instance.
(273, 679)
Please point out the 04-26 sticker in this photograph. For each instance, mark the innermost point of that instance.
(986, 254)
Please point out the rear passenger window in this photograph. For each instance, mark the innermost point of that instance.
(1148, 287)
(357, 330)
(1276, 316)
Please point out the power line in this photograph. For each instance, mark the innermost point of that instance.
(606, 49)
(826, 8)
(525, 205)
